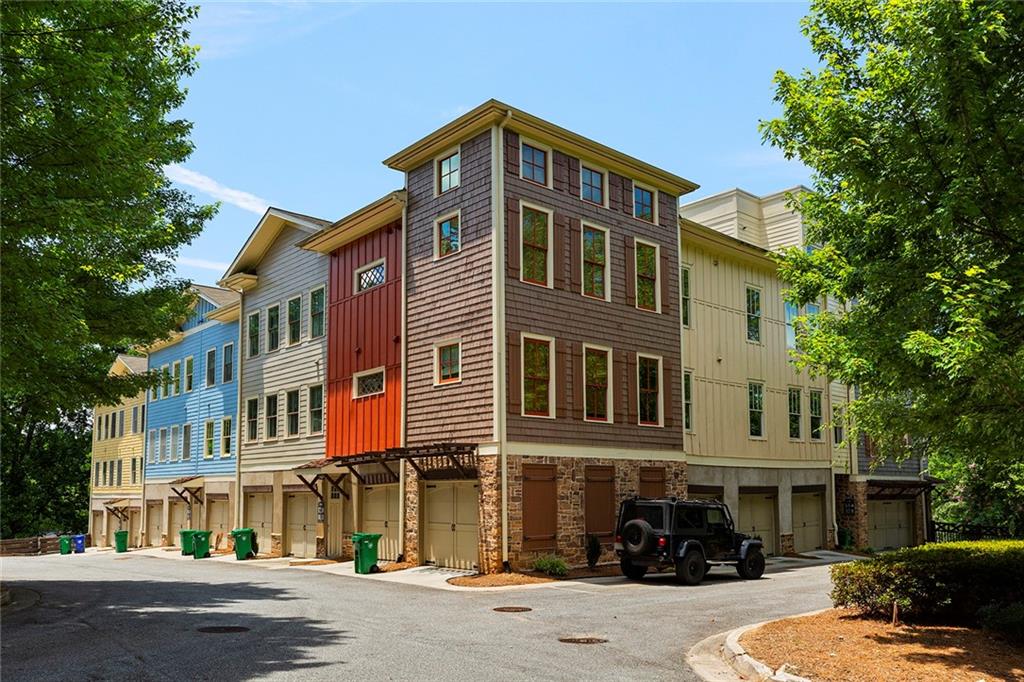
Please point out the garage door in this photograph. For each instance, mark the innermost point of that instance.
(300, 520)
(176, 523)
(890, 523)
(757, 517)
(807, 521)
(98, 538)
(452, 513)
(154, 524)
(219, 513)
(380, 515)
(134, 519)
(259, 515)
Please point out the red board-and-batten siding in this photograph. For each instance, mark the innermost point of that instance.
(564, 313)
(450, 298)
(365, 333)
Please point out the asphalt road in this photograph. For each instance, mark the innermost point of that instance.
(106, 616)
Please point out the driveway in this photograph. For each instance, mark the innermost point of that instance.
(131, 616)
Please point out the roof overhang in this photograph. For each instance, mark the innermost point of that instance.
(493, 112)
(173, 338)
(226, 313)
(358, 224)
(701, 235)
(259, 242)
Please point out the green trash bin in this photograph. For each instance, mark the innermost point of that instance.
(186, 540)
(120, 541)
(245, 543)
(365, 546)
(65, 544)
(201, 543)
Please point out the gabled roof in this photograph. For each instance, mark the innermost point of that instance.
(358, 223)
(132, 363)
(263, 236)
(493, 112)
(216, 295)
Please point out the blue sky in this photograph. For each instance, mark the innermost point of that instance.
(297, 104)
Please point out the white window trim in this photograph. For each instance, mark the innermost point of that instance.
(693, 404)
(298, 414)
(174, 440)
(365, 372)
(604, 183)
(657, 275)
(607, 262)
(248, 337)
(661, 391)
(206, 368)
(225, 433)
(176, 370)
(551, 246)
(548, 162)
(437, 362)
(323, 410)
(764, 406)
(245, 425)
(163, 439)
(552, 384)
(186, 453)
(610, 396)
(184, 367)
(810, 416)
(165, 381)
(288, 320)
(654, 202)
(437, 235)
(789, 414)
(213, 434)
(686, 303)
(369, 266)
(760, 317)
(223, 361)
(437, 170)
(266, 337)
(153, 453)
(277, 418)
(309, 311)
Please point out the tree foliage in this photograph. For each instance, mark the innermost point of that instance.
(91, 224)
(913, 127)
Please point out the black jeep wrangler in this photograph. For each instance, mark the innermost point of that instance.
(689, 535)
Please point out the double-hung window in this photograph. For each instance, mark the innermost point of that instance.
(595, 262)
(152, 453)
(164, 453)
(120, 424)
(647, 290)
(177, 377)
(448, 172)
(449, 362)
(106, 477)
(211, 367)
(684, 286)
(534, 164)
(188, 374)
(597, 384)
(253, 336)
(643, 203)
(815, 412)
(755, 409)
(753, 315)
(208, 439)
(648, 370)
(315, 406)
(688, 400)
(252, 409)
(273, 327)
(135, 419)
(270, 417)
(165, 381)
(317, 304)
(592, 185)
(536, 238)
(174, 443)
(292, 415)
(448, 235)
(538, 371)
(225, 437)
(229, 363)
(792, 311)
(795, 416)
(135, 470)
(186, 442)
(837, 424)
(294, 320)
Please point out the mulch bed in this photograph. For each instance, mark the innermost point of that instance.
(841, 645)
(497, 580)
(397, 566)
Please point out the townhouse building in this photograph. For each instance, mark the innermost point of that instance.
(191, 442)
(882, 503)
(115, 490)
(283, 368)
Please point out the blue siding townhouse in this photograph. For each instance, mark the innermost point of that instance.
(191, 435)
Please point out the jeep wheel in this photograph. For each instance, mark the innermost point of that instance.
(630, 570)
(752, 567)
(638, 538)
(690, 569)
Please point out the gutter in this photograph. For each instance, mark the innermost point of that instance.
(498, 201)
(405, 402)
(239, 505)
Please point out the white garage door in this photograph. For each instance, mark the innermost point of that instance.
(219, 513)
(300, 519)
(380, 515)
(807, 521)
(134, 519)
(757, 518)
(176, 523)
(452, 515)
(890, 523)
(154, 524)
(259, 515)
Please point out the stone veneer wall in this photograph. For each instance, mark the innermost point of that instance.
(856, 523)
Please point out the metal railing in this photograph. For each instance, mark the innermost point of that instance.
(943, 531)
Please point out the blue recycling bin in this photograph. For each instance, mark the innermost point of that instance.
(79, 541)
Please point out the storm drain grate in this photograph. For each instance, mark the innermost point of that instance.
(221, 629)
(513, 609)
(582, 640)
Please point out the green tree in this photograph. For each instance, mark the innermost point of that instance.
(91, 224)
(913, 127)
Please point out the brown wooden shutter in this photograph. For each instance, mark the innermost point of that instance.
(599, 501)
(563, 364)
(560, 166)
(621, 360)
(614, 192)
(667, 394)
(576, 256)
(560, 233)
(666, 273)
(630, 271)
(631, 390)
(578, 381)
(511, 153)
(574, 176)
(515, 382)
(652, 482)
(512, 235)
(540, 506)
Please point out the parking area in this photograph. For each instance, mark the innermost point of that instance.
(104, 615)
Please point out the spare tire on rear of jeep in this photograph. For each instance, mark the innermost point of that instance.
(638, 538)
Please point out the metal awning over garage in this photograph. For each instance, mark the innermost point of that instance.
(191, 488)
(900, 489)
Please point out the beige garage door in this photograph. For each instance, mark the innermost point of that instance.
(134, 518)
(452, 513)
(300, 520)
(259, 515)
(757, 517)
(154, 524)
(380, 515)
(98, 536)
(808, 525)
(219, 513)
(176, 523)
(890, 523)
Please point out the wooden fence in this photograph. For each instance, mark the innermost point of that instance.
(31, 546)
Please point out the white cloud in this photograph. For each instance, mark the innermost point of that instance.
(207, 185)
(203, 264)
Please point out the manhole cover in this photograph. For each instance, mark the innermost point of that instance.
(581, 640)
(222, 629)
(513, 609)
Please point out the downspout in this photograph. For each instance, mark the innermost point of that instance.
(497, 256)
(239, 508)
(405, 402)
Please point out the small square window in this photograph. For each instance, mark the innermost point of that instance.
(535, 164)
(449, 236)
(448, 173)
(643, 204)
(449, 366)
(370, 276)
(369, 383)
(592, 185)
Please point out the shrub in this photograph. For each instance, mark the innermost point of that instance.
(552, 565)
(1006, 619)
(949, 581)
(593, 551)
